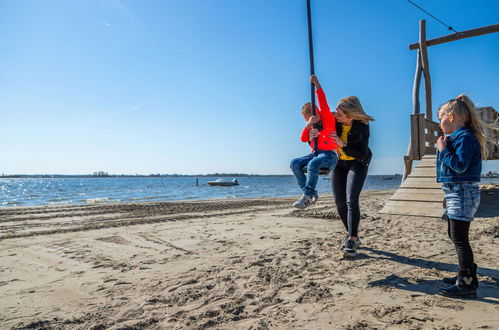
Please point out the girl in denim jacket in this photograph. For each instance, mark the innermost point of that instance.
(459, 164)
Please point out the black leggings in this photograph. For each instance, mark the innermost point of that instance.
(458, 231)
(348, 179)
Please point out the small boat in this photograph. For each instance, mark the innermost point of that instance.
(220, 182)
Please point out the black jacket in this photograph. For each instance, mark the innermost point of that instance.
(357, 141)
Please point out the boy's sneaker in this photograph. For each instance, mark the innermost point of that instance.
(344, 242)
(315, 198)
(303, 202)
(350, 249)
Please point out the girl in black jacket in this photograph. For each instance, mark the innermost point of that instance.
(352, 127)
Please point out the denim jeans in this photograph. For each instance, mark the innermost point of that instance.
(462, 199)
(307, 183)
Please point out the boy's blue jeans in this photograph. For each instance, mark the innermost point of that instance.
(324, 158)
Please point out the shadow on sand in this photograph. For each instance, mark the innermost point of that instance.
(487, 292)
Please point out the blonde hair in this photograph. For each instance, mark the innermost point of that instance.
(306, 110)
(463, 107)
(353, 109)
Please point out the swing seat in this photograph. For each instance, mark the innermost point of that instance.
(322, 170)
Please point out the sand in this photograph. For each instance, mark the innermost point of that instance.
(238, 264)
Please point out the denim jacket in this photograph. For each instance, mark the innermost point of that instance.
(461, 159)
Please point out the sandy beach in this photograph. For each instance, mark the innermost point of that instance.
(238, 264)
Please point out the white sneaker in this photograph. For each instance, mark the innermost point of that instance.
(303, 202)
(315, 198)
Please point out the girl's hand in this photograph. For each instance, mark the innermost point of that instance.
(335, 137)
(313, 133)
(339, 141)
(441, 143)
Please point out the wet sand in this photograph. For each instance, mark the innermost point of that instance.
(238, 264)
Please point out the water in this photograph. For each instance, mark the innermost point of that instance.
(50, 191)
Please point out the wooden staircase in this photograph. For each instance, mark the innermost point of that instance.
(419, 194)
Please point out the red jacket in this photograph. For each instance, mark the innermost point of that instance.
(324, 142)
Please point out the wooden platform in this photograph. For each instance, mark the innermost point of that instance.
(419, 194)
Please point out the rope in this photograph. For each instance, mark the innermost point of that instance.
(448, 27)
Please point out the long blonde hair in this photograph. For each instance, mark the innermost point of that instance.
(463, 107)
(353, 109)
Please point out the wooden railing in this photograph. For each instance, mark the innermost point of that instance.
(424, 135)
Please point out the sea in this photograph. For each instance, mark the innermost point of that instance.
(94, 190)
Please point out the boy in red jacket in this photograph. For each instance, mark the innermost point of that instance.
(327, 154)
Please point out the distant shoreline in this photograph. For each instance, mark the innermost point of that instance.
(79, 176)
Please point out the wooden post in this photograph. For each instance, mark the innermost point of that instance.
(407, 167)
(415, 110)
(426, 67)
(416, 84)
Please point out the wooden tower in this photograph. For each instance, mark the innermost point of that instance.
(419, 193)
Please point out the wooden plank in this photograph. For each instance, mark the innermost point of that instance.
(457, 36)
(430, 157)
(416, 211)
(427, 162)
(399, 196)
(420, 185)
(415, 148)
(424, 171)
(420, 180)
(429, 191)
(428, 170)
(421, 135)
(422, 205)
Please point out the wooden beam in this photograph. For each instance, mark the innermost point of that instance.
(457, 36)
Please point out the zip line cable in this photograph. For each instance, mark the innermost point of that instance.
(448, 26)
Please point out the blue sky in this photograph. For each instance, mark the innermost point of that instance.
(203, 86)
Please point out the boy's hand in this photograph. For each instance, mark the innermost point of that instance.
(315, 81)
(441, 143)
(313, 133)
(313, 120)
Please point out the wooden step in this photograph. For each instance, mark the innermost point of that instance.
(429, 179)
(424, 170)
(417, 208)
(423, 197)
(419, 194)
(433, 191)
(420, 185)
